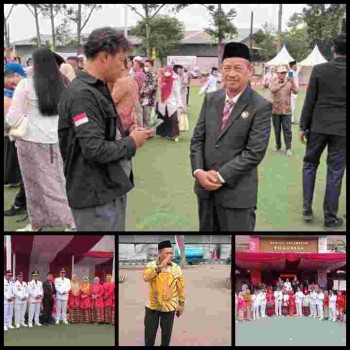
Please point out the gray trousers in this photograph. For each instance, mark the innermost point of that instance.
(282, 121)
(107, 217)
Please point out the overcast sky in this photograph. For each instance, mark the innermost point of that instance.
(22, 23)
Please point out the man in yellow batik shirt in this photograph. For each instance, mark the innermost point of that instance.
(167, 295)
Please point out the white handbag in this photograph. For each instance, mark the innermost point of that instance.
(18, 130)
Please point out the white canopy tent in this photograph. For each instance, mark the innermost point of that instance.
(283, 57)
(305, 66)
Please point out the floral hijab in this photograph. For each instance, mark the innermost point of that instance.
(85, 285)
(74, 284)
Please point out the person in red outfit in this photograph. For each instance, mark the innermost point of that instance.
(270, 302)
(74, 315)
(97, 304)
(85, 301)
(340, 306)
(292, 306)
(326, 305)
(108, 297)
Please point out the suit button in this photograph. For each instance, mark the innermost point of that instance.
(217, 145)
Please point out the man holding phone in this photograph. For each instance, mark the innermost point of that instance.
(282, 86)
(167, 296)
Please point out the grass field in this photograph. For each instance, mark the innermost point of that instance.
(62, 335)
(163, 197)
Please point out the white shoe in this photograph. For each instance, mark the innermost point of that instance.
(321, 318)
(5, 328)
(289, 152)
(17, 326)
(30, 325)
(57, 322)
(38, 324)
(334, 320)
(24, 325)
(11, 327)
(176, 139)
(65, 322)
(27, 228)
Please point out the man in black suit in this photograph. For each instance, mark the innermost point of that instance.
(228, 142)
(48, 300)
(323, 123)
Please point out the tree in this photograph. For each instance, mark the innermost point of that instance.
(6, 29)
(80, 15)
(50, 11)
(165, 33)
(35, 11)
(221, 26)
(63, 34)
(266, 40)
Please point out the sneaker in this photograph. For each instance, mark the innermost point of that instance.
(38, 324)
(17, 326)
(57, 322)
(289, 152)
(11, 327)
(28, 228)
(13, 211)
(308, 215)
(176, 139)
(321, 318)
(65, 322)
(5, 328)
(30, 325)
(276, 149)
(24, 325)
(335, 223)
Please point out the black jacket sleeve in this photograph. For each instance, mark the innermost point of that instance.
(310, 102)
(90, 134)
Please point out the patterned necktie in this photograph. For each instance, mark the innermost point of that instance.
(227, 111)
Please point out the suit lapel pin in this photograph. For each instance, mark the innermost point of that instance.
(245, 114)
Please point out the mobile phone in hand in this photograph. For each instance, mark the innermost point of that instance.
(290, 74)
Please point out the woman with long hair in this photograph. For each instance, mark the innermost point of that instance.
(108, 299)
(169, 104)
(39, 156)
(85, 301)
(97, 304)
(74, 315)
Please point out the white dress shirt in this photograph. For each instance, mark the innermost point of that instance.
(299, 297)
(332, 301)
(62, 285)
(8, 291)
(21, 291)
(210, 85)
(35, 289)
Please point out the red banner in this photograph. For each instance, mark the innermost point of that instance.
(255, 277)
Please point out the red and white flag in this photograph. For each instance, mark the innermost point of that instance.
(80, 119)
(179, 243)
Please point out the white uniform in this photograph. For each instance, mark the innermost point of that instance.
(256, 304)
(8, 305)
(285, 299)
(62, 285)
(210, 85)
(263, 304)
(20, 291)
(332, 307)
(288, 286)
(35, 289)
(294, 96)
(278, 302)
(298, 301)
(319, 305)
(313, 297)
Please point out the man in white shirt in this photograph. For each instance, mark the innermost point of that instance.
(21, 294)
(332, 306)
(9, 298)
(287, 285)
(313, 297)
(62, 286)
(319, 304)
(299, 295)
(262, 295)
(211, 83)
(36, 293)
(294, 72)
(278, 302)
(256, 304)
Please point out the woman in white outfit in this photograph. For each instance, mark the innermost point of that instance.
(278, 302)
(319, 304)
(256, 304)
(332, 306)
(313, 297)
(299, 295)
(263, 303)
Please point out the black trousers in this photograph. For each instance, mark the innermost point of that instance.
(336, 163)
(214, 217)
(48, 307)
(151, 326)
(20, 199)
(188, 95)
(282, 122)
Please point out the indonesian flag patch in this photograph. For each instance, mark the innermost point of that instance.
(80, 119)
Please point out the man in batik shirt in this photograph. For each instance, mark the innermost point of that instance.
(166, 297)
(148, 92)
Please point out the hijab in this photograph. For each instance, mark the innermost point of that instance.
(166, 81)
(85, 285)
(74, 284)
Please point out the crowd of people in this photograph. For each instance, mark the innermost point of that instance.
(84, 302)
(78, 124)
(289, 299)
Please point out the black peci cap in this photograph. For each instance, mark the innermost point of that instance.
(164, 244)
(236, 50)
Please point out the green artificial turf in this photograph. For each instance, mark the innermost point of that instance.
(163, 197)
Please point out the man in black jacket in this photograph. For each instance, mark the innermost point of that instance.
(95, 150)
(323, 123)
(228, 143)
(48, 300)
